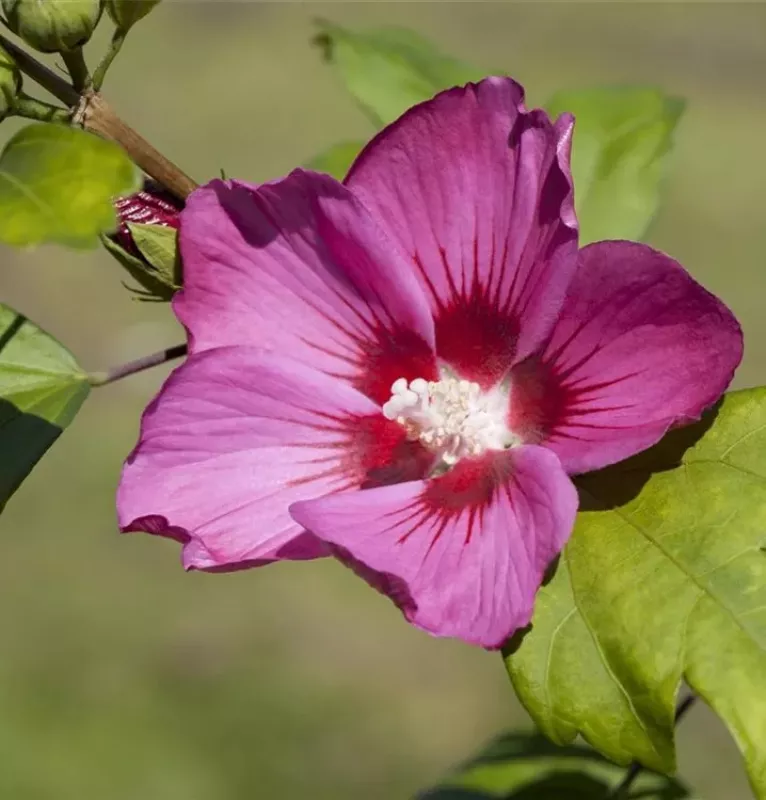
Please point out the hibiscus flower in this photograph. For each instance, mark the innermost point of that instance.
(404, 370)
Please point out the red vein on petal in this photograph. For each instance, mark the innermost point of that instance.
(587, 411)
(470, 487)
(476, 339)
(595, 387)
(448, 274)
(429, 283)
(327, 351)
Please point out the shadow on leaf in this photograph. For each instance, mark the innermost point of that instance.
(41, 389)
(24, 439)
(522, 766)
(619, 484)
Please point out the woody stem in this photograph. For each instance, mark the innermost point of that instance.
(97, 116)
(90, 111)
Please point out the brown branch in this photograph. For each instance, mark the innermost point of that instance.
(97, 116)
(91, 112)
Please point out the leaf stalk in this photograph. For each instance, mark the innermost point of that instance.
(139, 365)
(114, 48)
(31, 108)
(622, 790)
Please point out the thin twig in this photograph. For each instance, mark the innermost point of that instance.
(634, 770)
(39, 73)
(139, 365)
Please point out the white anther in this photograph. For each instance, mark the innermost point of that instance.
(451, 417)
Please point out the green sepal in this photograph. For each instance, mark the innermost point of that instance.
(146, 276)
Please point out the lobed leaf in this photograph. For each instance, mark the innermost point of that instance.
(663, 580)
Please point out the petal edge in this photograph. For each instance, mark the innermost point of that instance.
(639, 348)
(469, 572)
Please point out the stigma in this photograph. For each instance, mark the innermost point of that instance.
(451, 417)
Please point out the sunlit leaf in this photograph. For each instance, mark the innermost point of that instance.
(41, 390)
(388, 70)
(57, 185)
(337, 160)
(664, 578)
(518, 766)
(621, 144)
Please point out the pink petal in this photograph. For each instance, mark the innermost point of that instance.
(235, 436)
(478, 192)
(462, 555)
(639, 347)
(299, 267)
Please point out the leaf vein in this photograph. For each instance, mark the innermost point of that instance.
(607, 665)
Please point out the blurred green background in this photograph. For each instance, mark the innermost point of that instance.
(121, 677)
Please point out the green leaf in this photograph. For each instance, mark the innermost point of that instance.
(388, 70)
(337, 160)
(41, 390)
(664, 579)
(57, 185)
(158, 244)
(622, 139)
(519, 765)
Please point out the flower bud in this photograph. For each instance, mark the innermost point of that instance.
(126, 13)
(151, 206)
(53, 26)
(10, 83)
(158, 277)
